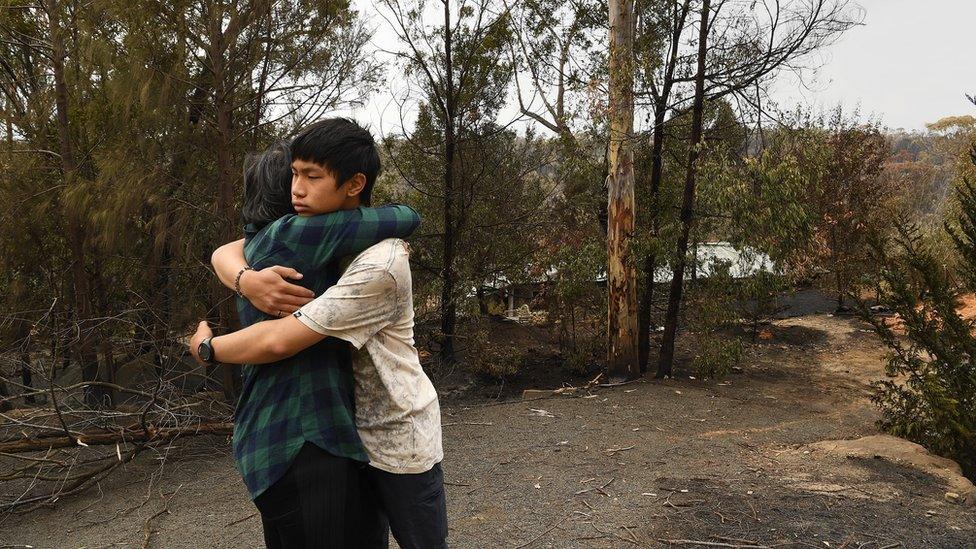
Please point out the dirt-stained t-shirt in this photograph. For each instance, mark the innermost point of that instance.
(397, 413)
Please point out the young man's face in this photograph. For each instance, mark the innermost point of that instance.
(314, 189)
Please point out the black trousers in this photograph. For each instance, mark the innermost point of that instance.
(328, 502)
(413, 505)
(316, 505)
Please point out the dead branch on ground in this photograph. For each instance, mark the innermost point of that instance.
(56, 441)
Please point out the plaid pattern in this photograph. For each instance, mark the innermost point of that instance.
(308, 397)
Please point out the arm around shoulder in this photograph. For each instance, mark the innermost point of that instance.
(319, 239)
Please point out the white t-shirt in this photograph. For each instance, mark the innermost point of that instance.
(397, 413)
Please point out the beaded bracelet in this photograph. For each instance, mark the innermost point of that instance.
(237, 280)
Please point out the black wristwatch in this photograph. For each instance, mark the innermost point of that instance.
(206, 351)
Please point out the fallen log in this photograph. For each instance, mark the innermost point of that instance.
(128, 435)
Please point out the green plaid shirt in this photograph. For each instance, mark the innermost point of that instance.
(308, 397)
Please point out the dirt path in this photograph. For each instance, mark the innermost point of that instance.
(632, 466)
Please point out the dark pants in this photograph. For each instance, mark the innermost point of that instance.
(315, 505)
(413, 505)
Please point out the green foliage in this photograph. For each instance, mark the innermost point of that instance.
(809, 197)
(578, 265)
(763, 196)
(964, 234)
(500, 215)
(577, 257)
(483, 224)
(489, 358)
(711, 313)
(931, 396)
(148, 89)
(716, 357)
(589, 350)
(758, 298)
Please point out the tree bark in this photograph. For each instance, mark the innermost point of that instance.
(448, 305)
(226, 211)
(646, 306)
(666, 358)
(77, 231)
(650, 262)
(622, 363)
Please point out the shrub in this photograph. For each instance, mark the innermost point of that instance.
(930, 397)
(588, 352)
(716, 357)
(713, 308)
(489, 359)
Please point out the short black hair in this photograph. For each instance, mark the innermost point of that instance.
(343, 147)
(267, 185)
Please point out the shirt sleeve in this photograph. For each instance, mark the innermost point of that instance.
(362, 303)
(319, 239)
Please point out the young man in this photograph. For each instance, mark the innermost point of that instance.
(397, 411)
(295, 439)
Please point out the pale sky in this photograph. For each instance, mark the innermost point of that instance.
(912, 62)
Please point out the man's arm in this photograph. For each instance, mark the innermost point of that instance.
(224, 265)
(358, 306)
(266, 289)
(260, 343)
(317, 240)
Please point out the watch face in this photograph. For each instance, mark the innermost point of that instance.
(205, 351)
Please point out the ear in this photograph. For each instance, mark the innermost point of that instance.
(355, 185)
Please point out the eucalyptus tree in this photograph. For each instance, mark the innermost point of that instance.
(558, 49)
(560, 53)
(748, 44)
(622, 359)
(453, 54)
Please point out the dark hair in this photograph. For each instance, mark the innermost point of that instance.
(267, 185)
(343, 147)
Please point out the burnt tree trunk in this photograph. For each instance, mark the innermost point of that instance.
(666, 357)
(646, 306)
(77, 231)
(226, 210)
(448, 305)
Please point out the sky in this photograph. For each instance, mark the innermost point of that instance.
(911, 63)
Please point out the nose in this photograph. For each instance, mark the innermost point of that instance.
(296, 187)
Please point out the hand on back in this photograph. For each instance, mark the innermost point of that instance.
(271, 293)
